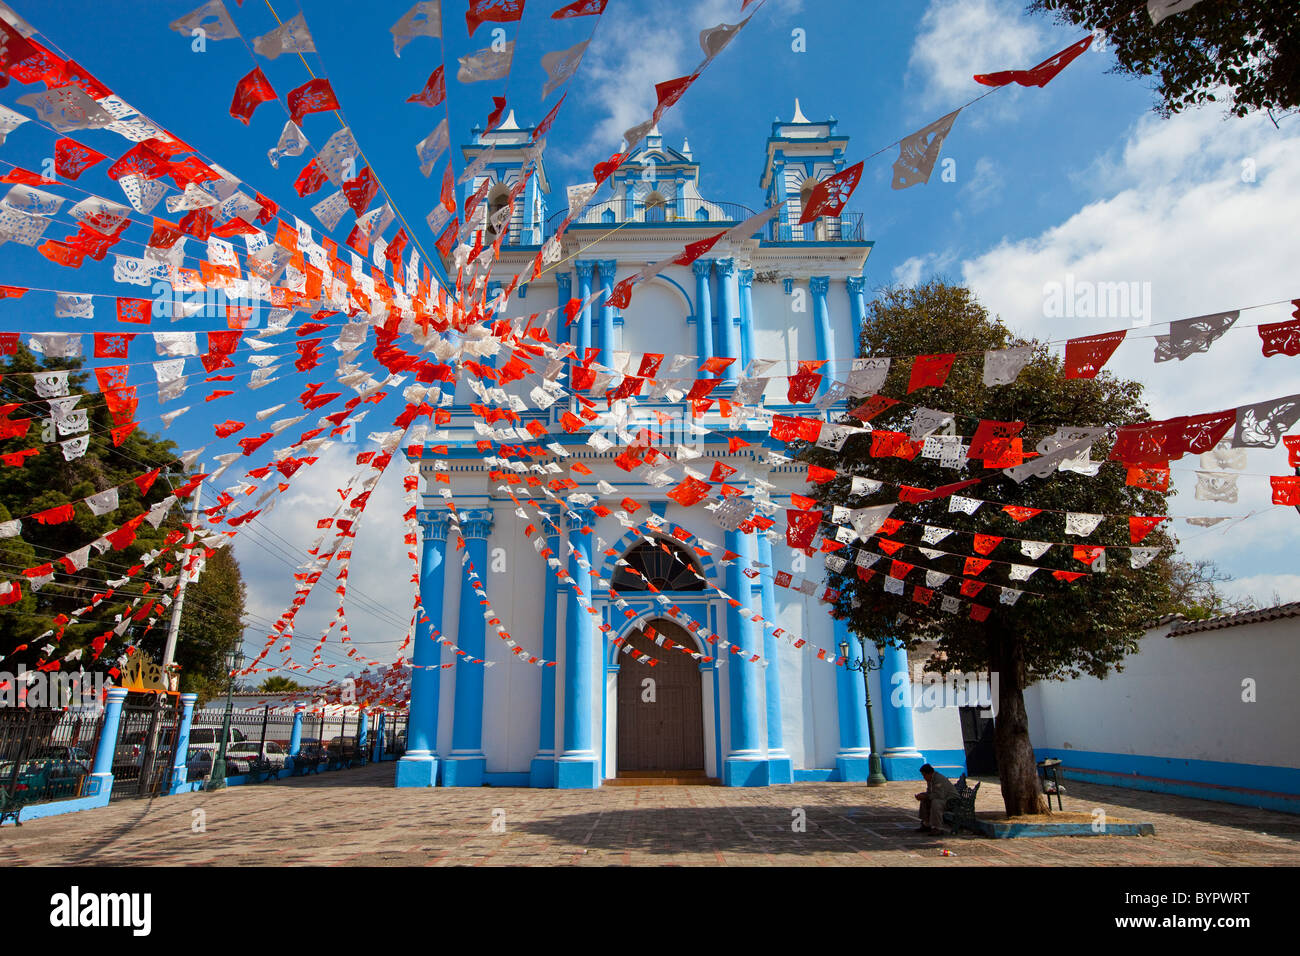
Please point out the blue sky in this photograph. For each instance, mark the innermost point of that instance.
(1079, 178)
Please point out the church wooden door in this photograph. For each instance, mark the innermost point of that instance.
(660, 725)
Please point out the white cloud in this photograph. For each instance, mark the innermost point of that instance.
(959, 38)
(379, 567)
(909, 272)
(634, 50)
(983, 184)
(920, 268)
(1263, 588)
(1172, 212)
(1172, 209)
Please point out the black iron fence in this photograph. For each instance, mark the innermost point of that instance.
(145, 753)
(843, 228)
(395, 735)
(263, 737)
(45, 753)
(257, 738)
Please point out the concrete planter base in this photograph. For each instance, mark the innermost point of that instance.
(1006, 831)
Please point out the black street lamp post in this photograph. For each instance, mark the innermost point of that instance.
(875, 772)
(234, 662)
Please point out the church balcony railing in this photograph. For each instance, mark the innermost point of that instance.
(844, 228)
(613, 212)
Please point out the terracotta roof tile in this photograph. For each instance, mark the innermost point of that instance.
(1233, 620)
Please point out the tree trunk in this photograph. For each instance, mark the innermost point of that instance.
(1022, 793)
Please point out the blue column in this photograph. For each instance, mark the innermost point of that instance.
(746, 317)
(703, 309)
(781, 770)
(578, 767)
(858, 310)
(563, 293)
(380, 719)
(419, 765)
(899, 756)
(295, 735)
(541, 772)
(363, 732)
(180, 775)
(729, 316)
(745, 765)
(851, 762)
(101, 772)
(608, 267)
(465, 766)
(819, 285)
(583, 341)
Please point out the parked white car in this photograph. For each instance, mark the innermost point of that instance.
(271, 752)
(209, 738)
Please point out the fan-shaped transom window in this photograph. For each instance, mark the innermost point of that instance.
(673, 570)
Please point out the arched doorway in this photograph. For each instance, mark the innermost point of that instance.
(660, 710)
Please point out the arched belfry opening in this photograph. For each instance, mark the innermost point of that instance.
(498, 199)
(656, 207)
(817, 228)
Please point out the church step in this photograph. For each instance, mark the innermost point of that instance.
(661, 773)
(662, 778)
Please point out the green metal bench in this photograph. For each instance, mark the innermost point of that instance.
(306, 761)
(10, 807)
(30, 790)
(959, 811)
(261, 770)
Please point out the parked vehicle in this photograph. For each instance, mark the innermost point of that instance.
(129, 751)
(52, 773)
(271, 752)
(209, 738)
(71, 759)
(199, 761)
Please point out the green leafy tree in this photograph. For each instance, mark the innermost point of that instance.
(46, 480)
(20, 623)
(1194, 591)
(1250, 48)
(279, 684)
(1059, 630)
(212, 625)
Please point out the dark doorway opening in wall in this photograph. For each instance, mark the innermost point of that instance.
(977, 738)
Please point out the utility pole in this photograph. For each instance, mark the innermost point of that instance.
(173, 629)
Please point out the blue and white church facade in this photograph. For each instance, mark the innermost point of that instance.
(790, 293)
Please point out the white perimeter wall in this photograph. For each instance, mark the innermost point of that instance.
(1182, 697)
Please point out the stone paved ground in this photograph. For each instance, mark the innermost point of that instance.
(357, 817)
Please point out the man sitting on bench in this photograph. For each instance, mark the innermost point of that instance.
(934, 800)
